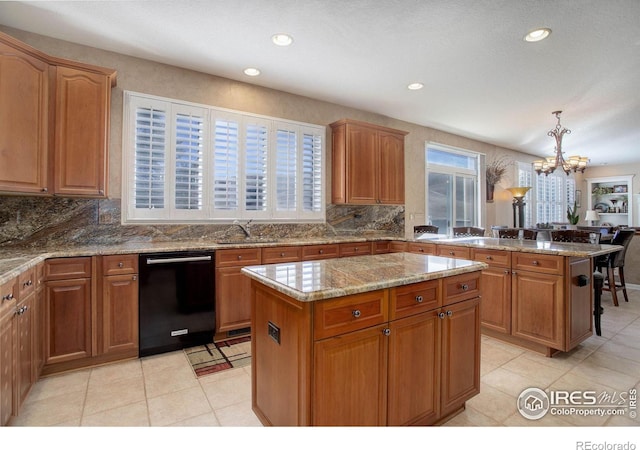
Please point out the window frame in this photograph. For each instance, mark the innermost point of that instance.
(305, 133)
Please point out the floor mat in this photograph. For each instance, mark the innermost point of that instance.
(218, 356)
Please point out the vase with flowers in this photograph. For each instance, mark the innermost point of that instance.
(572, 214)
(495, 171)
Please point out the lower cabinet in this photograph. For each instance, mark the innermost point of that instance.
(91, 311)
(401, 356)
(8, 303)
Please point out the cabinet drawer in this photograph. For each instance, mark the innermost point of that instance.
(274, 255)
(119, 264)
(398, 246)
(238, 257)
(497, 258)
(355, 249)
(538, 263)
(8, 295)
(422, 247)
(461, 287)
(323, 251)
(415, 298)
(26, 283)
(66, 268)
(380, 247)
(345, 314)
(452, 251)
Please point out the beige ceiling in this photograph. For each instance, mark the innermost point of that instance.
(482, 80)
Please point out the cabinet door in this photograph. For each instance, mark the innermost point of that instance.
(495, 307)
(68, 320)
(362, 165)
(350, 379)
(81, 132)
(414, 360)
(391, 168)
(119, 313)
(23, 122)
(233, 299)
(537, 304)
(460, 354)
(6, 368)
(24, 349)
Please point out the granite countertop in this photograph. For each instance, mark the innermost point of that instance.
(531, 246)
(309, 281)
(14, 260)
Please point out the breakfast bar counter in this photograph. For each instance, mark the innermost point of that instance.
(371, 340)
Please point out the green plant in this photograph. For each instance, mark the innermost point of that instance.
(572, 214)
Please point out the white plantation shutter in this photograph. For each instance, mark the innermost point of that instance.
(226, 165)
(311, 172)
(194, 163)
(285, 170)
(150, 158)
(256, 154)
(189, 161)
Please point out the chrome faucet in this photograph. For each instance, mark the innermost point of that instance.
(245, 228)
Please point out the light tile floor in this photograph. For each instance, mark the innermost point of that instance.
(162, 390)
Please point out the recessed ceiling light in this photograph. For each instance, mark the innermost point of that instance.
(537, 34)
(251, 71)
(282, 39)
(415, 86)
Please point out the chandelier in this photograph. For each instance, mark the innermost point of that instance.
(548, 165)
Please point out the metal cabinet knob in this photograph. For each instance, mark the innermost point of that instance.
(386, 331)
(441, 315)
(419, 298)
(489, 257)
(121, 264)
(535, 263)
(452, 253)
(464, 287)
(282, 255)
(239, 256)
(27, 283)
(134, 278)
(321, 251)
(7, 297)
(356, 313)
(449, 313)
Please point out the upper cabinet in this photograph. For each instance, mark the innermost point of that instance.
(54, 123)
(612, 198)
(367, 164)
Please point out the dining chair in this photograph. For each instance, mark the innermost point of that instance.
(575, 236)
(614, 261)
(467, 231)
(514, 233)
(425, 229)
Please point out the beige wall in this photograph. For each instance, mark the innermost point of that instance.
(168, 81)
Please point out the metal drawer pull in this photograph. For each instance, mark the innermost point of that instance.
(7, 297)
(121, 264)
(172, 260)
(464, 287)
(27, 283)
(386, 331)
(356, 313)
(441, 315)
(282, 254)
(321, 251)
(489, 257)
(449, 313)
(452, 253)
(535, 263)
(419, 298)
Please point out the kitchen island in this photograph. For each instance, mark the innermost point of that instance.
(369, 340)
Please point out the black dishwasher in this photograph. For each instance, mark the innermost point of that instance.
(177, 300)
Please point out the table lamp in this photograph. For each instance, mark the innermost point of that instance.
(591, 216)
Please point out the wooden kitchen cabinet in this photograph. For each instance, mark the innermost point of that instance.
(321, 251)
(425, 248)
(25, 321)
(355, 249)
(495, 308)
(119, 305)
(453, 251)
(68, 299)
(406, 355)
(8, 303)
(24, 103)
(83, 100)
(233, 289)
(367, 163)
(54, 123)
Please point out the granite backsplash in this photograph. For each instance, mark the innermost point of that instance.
(43, 222)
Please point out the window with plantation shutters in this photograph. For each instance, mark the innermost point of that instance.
(150, 158)
(188, 163)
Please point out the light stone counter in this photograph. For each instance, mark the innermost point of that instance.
(318, 280)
